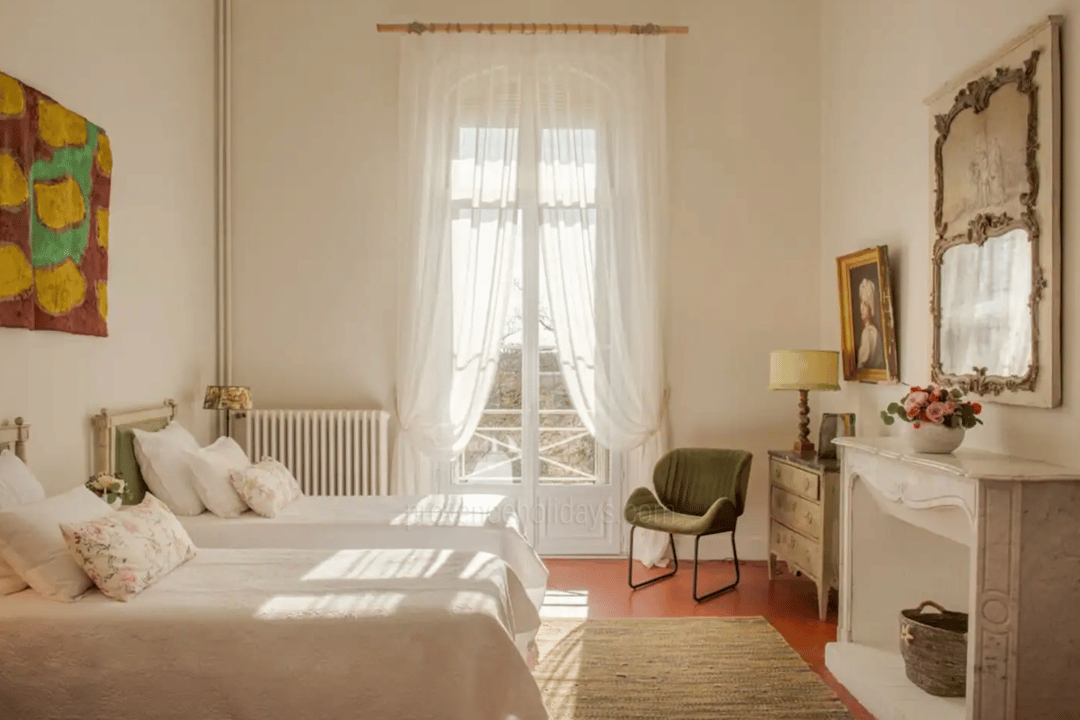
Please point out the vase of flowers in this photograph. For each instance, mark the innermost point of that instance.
(107, 487)
(936, 418)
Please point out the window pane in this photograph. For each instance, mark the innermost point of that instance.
(567, 170)
(484, 169)
(568, 451)
(494, 454)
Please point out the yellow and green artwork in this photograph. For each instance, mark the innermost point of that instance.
(55, 177)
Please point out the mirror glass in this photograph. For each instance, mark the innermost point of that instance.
(985, 318)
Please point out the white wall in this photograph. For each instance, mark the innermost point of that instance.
(144, 71)
(879, 62)
(315, 92)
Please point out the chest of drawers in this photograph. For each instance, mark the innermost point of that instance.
(804, 529)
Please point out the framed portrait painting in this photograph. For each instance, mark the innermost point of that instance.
(867, 333)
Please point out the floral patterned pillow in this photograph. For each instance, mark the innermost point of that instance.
(264, 488)
(289, 478)
(129, 550)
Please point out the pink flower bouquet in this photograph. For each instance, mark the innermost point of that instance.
(934, 404)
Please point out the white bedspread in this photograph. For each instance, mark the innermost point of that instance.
(483, 523)
(280, 635)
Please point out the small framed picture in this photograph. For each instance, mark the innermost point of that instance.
(867, 334)
(834, 425)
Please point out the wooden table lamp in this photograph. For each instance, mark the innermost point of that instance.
(804, 370)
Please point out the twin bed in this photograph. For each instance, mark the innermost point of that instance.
(385, 607)
(482, 523)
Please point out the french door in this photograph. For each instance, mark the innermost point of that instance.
(532, 443)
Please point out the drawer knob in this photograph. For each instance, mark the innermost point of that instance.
(806, 483)
(809, 518)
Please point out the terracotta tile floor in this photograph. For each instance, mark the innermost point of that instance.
(788, 602)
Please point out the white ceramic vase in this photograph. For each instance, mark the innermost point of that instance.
(934, 438)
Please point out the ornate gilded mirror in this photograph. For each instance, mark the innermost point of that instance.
(994, 271)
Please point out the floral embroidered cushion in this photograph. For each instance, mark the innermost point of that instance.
(263, 487)
(290, 479)
(129, 550)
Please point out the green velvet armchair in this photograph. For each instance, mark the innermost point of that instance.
(696, 491)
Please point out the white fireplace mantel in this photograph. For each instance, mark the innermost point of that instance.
(1021, 521)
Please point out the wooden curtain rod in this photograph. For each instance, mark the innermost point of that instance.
(534, 28)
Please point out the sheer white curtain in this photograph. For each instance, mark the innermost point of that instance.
(602, 187)
(460, 223)
(590, 110)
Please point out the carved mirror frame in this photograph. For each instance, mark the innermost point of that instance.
(1032, 63)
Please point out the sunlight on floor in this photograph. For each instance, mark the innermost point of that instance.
(565, 604)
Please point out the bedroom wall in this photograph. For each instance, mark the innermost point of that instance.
(879, 61)
(315, 229)
(145, 72)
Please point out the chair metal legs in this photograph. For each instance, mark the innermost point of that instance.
(630, 564)
(714, 593)
(675, 560)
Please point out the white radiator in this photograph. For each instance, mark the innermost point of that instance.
(331, 452)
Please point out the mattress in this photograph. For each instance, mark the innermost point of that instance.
(480, 523)
(242, 634)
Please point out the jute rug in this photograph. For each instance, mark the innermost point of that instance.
(681, 668)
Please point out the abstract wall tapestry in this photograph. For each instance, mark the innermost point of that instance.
(55, 177)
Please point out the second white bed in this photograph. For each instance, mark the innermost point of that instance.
(477, 523)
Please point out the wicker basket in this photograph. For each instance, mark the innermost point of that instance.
(934, 647)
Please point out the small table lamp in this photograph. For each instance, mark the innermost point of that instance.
(804, 370)
(229, 398)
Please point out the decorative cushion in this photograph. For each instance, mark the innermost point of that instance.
(31, 542)
(162, 457)
(18, 486)
(294, 485)
(210, 468)
(129, 550)
(264, 488)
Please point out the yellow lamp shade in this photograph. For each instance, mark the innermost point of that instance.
(804, 370)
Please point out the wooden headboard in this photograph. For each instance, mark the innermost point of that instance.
(114, 449)
(14, 437)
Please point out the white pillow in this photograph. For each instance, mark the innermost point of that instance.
(129, 550)
(162, 457)
(18, 485)
(10, 581)
(30, 540)
(263, 487)
(210, 468)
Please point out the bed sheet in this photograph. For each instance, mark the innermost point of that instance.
(477, 522)
(243, 634)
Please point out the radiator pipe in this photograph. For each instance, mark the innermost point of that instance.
(223, 244)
